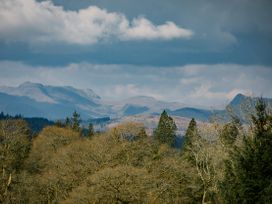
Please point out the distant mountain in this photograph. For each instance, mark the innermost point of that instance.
(58, 102)
(241, 107)
(53, 94)
(198, 114)
(31, 108)
(134, 110)
(143, 105)
(37, 100)
(238, 99)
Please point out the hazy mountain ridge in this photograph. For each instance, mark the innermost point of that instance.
(187, 112)
(244, 106)
(57, 102)
(37, 100)
(52, 94)
(142, 105)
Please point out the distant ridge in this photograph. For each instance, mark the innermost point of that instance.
(52, 94)
(241, 106)
(57, 102)
(238, 99)
(198, 114)
(37, 100)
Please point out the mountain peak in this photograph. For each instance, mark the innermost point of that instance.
(92, 94)
(30, 84)
(237, 99)
(53, 94)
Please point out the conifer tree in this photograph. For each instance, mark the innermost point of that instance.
(67, 122)
(191, 132)
(166, 130)
(90, 130)
(229, 133)
(248, 177)
(75, 121)
(191, 135)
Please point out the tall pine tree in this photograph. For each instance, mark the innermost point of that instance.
(75, 121)
(248, 177)
(191, 135)
(229, 133)
(90, 130)
(166, 130)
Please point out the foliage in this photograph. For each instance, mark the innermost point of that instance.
(75, 121)
(14, 148)
(190, 137)
(90, 130)
(125, 165)
(46, 144)
(121, 184)
(130, 131)
(166, 130)
(35, 124)
(121, 165)
(229, 133)
(206, 157)
(249, 170)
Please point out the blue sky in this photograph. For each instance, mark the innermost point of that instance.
(195, 52)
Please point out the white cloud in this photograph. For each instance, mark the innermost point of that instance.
(230, 95)
(188, 81)
(142, 28)
(129, 90)
(31, 21)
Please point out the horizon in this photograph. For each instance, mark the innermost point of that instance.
(182, 105)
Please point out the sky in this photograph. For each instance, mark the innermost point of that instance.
(200, 52)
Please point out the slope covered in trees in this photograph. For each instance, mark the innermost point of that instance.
(35, 124)
(124, 165)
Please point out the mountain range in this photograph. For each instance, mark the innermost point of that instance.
(58, 102)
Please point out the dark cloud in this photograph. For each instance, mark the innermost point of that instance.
(234, 31)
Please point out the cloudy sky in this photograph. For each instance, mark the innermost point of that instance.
(200, 52)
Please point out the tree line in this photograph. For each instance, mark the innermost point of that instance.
(218, 163)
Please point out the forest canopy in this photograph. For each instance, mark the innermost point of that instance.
(219, 163)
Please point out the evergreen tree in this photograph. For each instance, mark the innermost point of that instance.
(90, 130)
(248, 177)
(191, 135)
(229, 133)
(191, 132)
(68, 122)
(166, 130)
(75, 121)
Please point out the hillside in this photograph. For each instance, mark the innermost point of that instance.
(35, 124)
